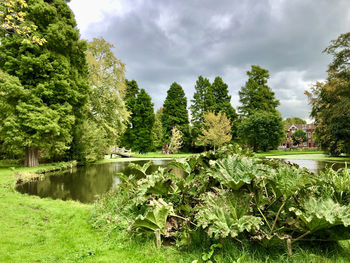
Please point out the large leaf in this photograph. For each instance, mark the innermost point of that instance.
(224, 214)
(318, 214)
(234, 172)
(155, 218)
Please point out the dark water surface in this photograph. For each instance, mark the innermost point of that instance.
(86, 183)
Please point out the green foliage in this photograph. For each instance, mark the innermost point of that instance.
(175, 113)
(216, 130)
(256, 95)
(299, 137)
(223, 103)
(331, 100)
(227, 196)
(143, 123)
(155, 218)
(52, 90)
(203, 101)
(132, 90)
(294, 120)
(225, 214)
(138, 135)
(157, 130)
(107, 78)
(262, 130)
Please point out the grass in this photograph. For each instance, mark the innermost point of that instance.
(160, 155)
(44, 230)
(288, 152)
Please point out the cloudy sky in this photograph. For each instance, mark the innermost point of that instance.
(162, 41)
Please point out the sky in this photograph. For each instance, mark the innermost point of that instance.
(166, 41)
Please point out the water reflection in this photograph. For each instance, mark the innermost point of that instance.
(316, 166)
(84, 184)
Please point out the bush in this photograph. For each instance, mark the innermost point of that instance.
(230, 196)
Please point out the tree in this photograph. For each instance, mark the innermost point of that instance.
(256, 95)
(299, 137)
(175, 113)
(202, 102)
(262, 130)
(143, 122)
(176, 141)
(13, 21)
(106, 105)
(47, 97)
(223, 102)
(331, 100)
(216, 130)
(132, 90)
(157, 130)
(294, 120)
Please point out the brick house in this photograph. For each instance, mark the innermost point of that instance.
(307, 128)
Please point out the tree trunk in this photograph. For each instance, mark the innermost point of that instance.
(31, 158)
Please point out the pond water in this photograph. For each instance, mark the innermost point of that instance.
(86, 183)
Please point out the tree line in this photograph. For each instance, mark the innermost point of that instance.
(214, 120)
(64, 98)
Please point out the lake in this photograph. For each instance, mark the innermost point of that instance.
(86, 183)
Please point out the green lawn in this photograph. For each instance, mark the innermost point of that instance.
(45, 230)
(288, 152)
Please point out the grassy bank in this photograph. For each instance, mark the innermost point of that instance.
(44, 230)
(288, 152)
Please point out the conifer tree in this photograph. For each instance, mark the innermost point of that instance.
(175, 113)
(143, 121)
(202, 102)
(223, 103)
(51, 87)
(158, 130)
(131, 93)
(256, 95)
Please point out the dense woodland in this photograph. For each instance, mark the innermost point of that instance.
(64, 98)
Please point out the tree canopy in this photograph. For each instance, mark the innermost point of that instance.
(143, 121)
(294, 120)
(107, 78)
(175, 113)
(331, 100)
(203, 101)
(256, 95)
(299, 137)
(223, 102)
(216, 130)
(262, 130)
(49, 83)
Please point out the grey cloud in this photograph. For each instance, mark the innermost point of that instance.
(162, 41)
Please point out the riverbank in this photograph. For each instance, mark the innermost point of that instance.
(44, 230)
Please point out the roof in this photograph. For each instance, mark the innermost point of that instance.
(304, 127)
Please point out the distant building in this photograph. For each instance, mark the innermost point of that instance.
(307, 128)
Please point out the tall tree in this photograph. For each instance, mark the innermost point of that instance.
(331, 100)
(132, 90)
(203, 101)
(51, 82)
(216, 130)
(107, 78)
(223, 103)
(262, 130)
(143, 121)
(175, 113)
(157, 130)
(256, 95)
(294, 120)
